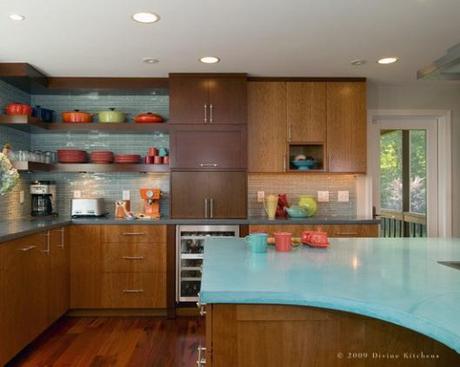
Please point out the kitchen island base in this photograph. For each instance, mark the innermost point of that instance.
(295, 336)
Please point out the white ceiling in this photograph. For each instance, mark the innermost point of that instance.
(261, 37)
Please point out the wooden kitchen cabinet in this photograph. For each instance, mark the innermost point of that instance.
(346, 127)
(333, 230)
(24, 293)
(118, 266)
(214, 195)
(306, 111)
(207, 98)
(58, 274)
(205, 148)
(267, 127)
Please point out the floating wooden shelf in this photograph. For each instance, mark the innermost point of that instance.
(31, 124)
(32, 166)
(113, 167)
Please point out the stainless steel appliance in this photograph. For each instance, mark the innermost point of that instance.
(189, 249)
(88, 207)
(43, 197)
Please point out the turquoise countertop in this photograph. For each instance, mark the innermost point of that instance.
(395, 280)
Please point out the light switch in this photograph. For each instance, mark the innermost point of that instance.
(343, 196)
(21, 197)
(77, 194)
(260, 196)
(323, 196)
(126, 195)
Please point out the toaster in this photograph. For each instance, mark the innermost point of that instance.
(88, 207)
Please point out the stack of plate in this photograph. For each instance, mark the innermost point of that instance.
(127, 158)
(71, 156)
(101, 157)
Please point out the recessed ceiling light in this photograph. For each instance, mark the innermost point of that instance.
(388, 60)
(146, 17)
(150, 60)
(358, 62)
(17, 17)
(210, 60)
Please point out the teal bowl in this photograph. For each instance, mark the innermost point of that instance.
(296, 211)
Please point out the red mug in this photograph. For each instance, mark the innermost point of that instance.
(152, 151)
(148, 159)
(283, 241)
(157, 159)
(166, 159)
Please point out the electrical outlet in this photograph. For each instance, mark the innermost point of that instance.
(126, 195)
(323, 196)
(260, 196)
(21, 197)
(77, 194)
(343, 196)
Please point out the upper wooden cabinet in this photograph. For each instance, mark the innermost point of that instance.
(207, 98)
(202, 148)
(346, 127)
(267, 130)
(306, 111)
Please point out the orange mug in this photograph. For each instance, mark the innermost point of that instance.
(283, 241)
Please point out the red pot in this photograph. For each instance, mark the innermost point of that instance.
(77, 116)
(148, 117)
(18, 109)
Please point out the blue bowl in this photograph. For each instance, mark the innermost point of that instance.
(304, 164)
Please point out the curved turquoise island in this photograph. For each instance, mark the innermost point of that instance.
(388, 294)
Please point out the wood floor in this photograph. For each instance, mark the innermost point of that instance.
(100, 342)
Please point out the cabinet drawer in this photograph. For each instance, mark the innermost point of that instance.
(134, 290)
(354, 230)
(134, 257)
(134, 234)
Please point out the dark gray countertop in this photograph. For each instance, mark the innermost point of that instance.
(12, 229)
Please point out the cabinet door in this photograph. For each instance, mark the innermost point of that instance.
(58, 274)
(228, 195)
(188, 193)
(267, 131)
(85, 266)
(205, 148)
(227, 100)
(188, 99)
(346, 127)
(306, 111)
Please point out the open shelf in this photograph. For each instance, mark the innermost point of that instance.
(112, 167)
(315, 151)
(34, 125)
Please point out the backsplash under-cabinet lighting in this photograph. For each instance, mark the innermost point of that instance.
(295, 185)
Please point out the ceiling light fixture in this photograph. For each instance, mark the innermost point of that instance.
(17, 17)
(146, 17)
(358, 62)
(388, 60)
(150, 60)
(210, 60)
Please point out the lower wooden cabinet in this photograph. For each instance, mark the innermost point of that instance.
(118, 266)
(338, 230)
(34, 289)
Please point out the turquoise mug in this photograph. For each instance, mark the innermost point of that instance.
(257, 242)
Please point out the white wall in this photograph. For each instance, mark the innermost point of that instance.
(429, 95)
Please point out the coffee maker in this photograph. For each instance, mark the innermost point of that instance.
(151, 198)
(43, 195)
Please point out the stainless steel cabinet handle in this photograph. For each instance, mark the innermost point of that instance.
(211, 208)
(211, 107)
(206, 208)
(207, 165)
(133, 291)
(133, 233)
(28, 248)
(133, 257)
(47, 250)
(201, 361)
(284, 163)
(289, 133)
(347, 234)
(205, 113)
(62, 237)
